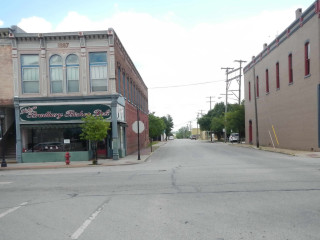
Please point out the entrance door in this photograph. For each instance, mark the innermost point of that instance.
(250, 131)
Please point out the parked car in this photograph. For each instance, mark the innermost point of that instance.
(171, 138)
(47, 146)
(234, 137)
(193, 137)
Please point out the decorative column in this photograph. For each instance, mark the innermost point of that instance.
(18, 132)
(114, 119)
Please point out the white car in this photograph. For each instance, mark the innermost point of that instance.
(171, 138)
(234, 137)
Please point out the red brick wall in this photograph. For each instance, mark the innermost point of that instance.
(6, 76)
(132, 137)
(123, 61)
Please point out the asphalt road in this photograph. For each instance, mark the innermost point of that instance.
(186, 190)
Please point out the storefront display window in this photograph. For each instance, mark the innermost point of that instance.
(55, 140)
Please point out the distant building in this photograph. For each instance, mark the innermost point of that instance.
(49, 81)
(284, 80)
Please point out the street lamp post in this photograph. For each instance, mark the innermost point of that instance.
(2, 116)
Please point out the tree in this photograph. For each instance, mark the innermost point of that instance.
(183, 133)
(94, 129)
(217, 125)
(236, 120)
(168, 121)
(156, 126)
(207, 124)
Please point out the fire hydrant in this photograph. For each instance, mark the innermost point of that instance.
(67, 156)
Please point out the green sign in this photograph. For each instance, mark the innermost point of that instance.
(63, 112)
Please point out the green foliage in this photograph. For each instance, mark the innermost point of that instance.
(168, 121)
(236, 120)
(183, 133)
(205, 123)
(214, 120)
(218, 110)
(217, 125)
(94, 129)
(156, 126)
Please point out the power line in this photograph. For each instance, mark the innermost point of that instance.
(186, 85)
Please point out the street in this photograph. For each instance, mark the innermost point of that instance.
(186, 190)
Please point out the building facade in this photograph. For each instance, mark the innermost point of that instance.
(50, 81)
(282, 87)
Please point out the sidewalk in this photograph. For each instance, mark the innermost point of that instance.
(297, 153)
(145, 153)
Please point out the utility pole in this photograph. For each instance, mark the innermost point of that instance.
(201, 112)
(240, 61)
(210, 100)
(226, 106)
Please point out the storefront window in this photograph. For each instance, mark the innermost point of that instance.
(55, 140)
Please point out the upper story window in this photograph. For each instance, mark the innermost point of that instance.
(134, 94)
(307, 59)
(72, 63)
(257, 86)
(98, 71)
(30, 73)
(119, 80)
(131, 91)
(124, 84)
(56, 74)
(277, 75)
(61, 81)
(128, 87)
(267, 81)
(290, 68)
(249, 91)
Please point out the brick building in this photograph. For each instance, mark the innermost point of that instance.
(51, 80)
(282, 87)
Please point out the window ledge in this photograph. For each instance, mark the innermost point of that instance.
(307, 76)
(290, 83)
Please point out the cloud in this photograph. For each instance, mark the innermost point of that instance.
(35, 24)
(1, 22)
(76, 22)
(167, 53)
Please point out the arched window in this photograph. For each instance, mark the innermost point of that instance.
(72, 63)
(56, 74)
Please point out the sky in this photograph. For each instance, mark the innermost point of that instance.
(178, 46)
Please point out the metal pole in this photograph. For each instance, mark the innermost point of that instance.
(138, 117)
(240, 61)
(197, 126)
(226, 110)
(226, 106)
